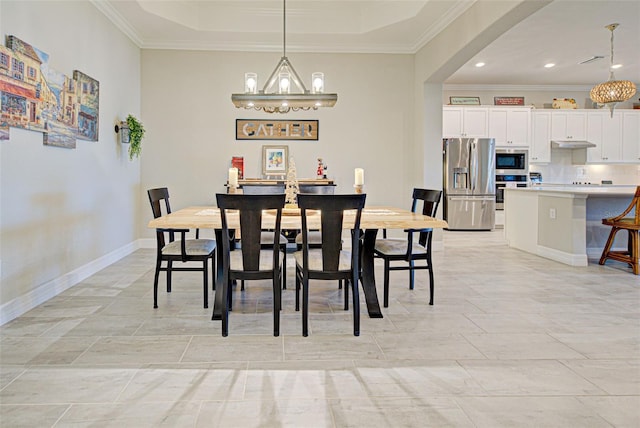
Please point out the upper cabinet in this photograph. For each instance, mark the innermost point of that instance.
(631, 136)
(617, 138)
(568, 125)
(468, 122)
(540, 151)
(606, 133)
(510, 126)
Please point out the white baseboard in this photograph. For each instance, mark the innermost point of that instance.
(570, 259)
(50, 289)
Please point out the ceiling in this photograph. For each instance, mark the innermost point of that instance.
(565, 32)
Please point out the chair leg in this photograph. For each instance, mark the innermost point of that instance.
(169, 267)
(205, 284)
(213, 270)
(276, 303)
(305, 307)
(346, 295)
(386, 283)
(607, 246)
(284, 267)
(411, 274)
(297, 290)
(431, 280)
(634, 250)
(155, 284)
(226, 291)
(356, 305)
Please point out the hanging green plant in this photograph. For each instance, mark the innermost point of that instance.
(136, 132)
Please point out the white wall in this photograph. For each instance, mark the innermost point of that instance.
(65, 213)
(190, 123)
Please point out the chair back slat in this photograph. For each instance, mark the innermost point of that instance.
(262, 189)
(250, 208)
(157, 197)
(318, 189)
(430, 201)
(332, 209)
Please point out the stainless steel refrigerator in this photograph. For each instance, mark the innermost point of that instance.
(469, 183)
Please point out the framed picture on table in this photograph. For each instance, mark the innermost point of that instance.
(275, 159)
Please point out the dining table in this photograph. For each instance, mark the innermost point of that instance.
(373, 218)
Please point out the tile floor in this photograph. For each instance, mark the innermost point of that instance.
(513, 340)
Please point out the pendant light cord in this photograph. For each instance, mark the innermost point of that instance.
(611, 27)
(284, 28)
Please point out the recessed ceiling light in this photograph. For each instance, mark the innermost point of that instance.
(549, 65)
(616, 66)
(480, 64)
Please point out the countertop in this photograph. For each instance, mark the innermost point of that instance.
(592, 189)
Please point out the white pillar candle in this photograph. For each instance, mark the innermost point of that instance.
(359, 177)
(233, 177)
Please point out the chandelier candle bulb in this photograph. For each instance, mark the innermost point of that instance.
(250, 83)
(233, 177)
(284, 79)
(359, 177)
(317, 82)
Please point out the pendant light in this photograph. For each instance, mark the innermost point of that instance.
(612, 91)
(284, 90)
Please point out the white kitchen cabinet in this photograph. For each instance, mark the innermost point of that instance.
(606, 132)
(510, 127)
(540, 151)
(468, 122)
(568, 125)
(631, 136)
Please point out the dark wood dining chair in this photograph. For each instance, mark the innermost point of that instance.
(330, 261)
(252, 261)
(632, 225)
(407, 250)
(267, 237)
(170, 250)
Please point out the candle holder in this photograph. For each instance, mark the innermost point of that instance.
(232, 189)
(359, 188)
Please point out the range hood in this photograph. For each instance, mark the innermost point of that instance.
(571, 144)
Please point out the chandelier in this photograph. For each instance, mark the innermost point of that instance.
(284, 90)
(612, 91)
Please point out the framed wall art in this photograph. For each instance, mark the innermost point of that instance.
(274, 160)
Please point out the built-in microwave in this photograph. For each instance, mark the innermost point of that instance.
(512, 161)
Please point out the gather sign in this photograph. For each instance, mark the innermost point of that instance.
(260, 129)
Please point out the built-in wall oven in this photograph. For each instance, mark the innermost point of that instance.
(512, 170)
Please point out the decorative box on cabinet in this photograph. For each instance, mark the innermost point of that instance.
(467, 122)
(511, 127)
(540, 151)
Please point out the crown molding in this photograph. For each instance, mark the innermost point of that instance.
(475, 87)
(118, 20)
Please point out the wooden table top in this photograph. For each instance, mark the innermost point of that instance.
(374, 217)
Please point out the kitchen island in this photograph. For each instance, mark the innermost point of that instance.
(564, 223)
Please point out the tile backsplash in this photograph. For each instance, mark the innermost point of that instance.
(562, 171)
